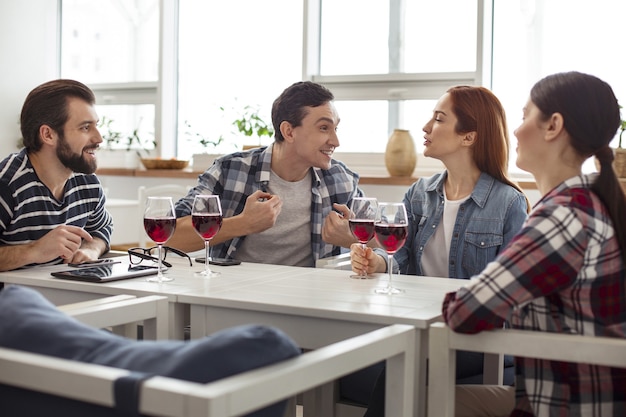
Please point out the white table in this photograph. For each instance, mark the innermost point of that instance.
(61, 291)
(316, 307)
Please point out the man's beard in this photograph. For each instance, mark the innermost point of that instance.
(75, 162)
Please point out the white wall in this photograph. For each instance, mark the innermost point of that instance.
(28, 45)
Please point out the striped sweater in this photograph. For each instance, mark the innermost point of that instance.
(28, 210)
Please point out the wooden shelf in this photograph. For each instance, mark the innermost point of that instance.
(367, 180)
(188, 173)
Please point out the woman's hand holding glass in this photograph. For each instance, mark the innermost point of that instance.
(363, 212)
(159, 221)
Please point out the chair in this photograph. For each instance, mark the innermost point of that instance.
(122, 312)
(332, 390)
(231, 396)
(166, 190)
(443, 343)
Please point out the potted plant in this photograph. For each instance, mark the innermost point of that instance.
(109, 135)
(250, 124)
(247, 122)
(120, 151)
(197, 138)
(202, 160)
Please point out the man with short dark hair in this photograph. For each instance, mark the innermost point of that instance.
(51, 203)
(286, 203)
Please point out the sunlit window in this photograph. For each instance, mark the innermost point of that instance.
(533, 39)
(127, 127)
(232, 55)
(114, 42)
(110, 41)
(386, 63)
(388, 66)
(234, 58)
(364, 126)
(397, 36)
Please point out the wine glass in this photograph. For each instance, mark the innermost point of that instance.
(159, 221)
(206, 217)
(363, 211)
(391, 229)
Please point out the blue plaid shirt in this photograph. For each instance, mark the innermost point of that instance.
(236, 176)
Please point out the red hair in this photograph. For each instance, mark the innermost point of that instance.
(478, 110)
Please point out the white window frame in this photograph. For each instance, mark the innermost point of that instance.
(163, 93)
(394, 86)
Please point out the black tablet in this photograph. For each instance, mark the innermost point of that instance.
(106, 273)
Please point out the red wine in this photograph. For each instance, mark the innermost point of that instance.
(363, 230)
(159, 229)
(391, 236)
(207, 225)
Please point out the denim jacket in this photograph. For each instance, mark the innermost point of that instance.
(485, 224)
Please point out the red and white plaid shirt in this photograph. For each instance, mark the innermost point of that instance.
(562, 273)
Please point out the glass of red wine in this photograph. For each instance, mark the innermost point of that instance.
(363, 212)
(206, 217)
(391, 228)
(159, 221)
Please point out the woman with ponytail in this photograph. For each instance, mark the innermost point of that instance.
(565, 271)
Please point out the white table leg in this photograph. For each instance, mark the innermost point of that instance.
(421, 356)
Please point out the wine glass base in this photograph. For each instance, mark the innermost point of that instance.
(161, 279)
(388, 290)
(209, 274)
(357, 276)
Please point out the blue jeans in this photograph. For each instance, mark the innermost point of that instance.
(30, 323)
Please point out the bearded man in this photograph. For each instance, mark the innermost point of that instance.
(51, 202)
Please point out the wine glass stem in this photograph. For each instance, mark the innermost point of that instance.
(390, 268)
(364, 271)
(207, 257)
(160, 273)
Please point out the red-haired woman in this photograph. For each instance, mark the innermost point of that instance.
(461, 218)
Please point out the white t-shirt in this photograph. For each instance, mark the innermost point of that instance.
(436, 255)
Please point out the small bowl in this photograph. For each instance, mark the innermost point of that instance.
(156, 163)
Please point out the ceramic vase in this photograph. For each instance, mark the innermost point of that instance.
(400, 155)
